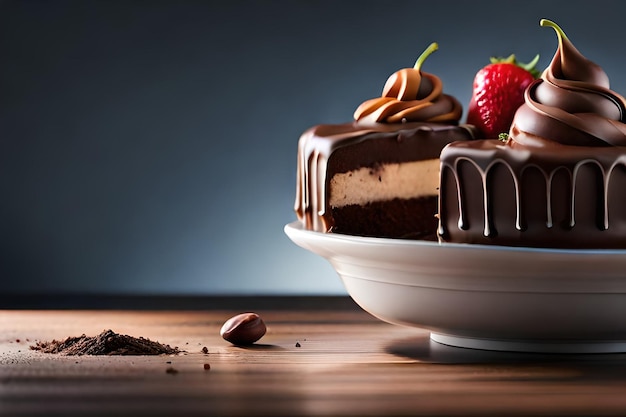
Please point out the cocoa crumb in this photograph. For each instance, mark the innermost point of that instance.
(298, 344)
(106, 343)
(207, 366)
(205, 350)
(171, 370)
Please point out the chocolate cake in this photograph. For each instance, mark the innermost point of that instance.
(558, 179)
(379, 175)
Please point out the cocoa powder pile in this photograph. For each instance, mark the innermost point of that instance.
(106, 343)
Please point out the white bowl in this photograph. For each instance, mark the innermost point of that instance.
(484, 297)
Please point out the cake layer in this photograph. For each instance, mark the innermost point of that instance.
(505, 194)
(385, 182)
(390, 218)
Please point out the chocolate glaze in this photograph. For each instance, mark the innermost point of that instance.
(558, 180)
(562, 197)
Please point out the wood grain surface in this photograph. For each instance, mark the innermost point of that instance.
(346, 363)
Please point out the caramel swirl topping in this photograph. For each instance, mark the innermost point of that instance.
(571, 104)
(410, 95)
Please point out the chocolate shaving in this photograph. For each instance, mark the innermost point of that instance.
(106, 343)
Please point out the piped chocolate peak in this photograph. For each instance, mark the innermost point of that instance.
(571, 104)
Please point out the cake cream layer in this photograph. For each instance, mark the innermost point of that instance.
(388, 181)
(327, 150)
(506, 194)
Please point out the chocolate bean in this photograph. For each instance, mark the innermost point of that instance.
(243, 329)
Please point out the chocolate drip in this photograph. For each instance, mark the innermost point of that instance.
(579, 191)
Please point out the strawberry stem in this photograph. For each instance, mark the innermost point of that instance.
(420, 60)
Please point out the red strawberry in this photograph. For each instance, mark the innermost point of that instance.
(497, 93)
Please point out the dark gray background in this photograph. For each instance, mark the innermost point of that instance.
(148, 147)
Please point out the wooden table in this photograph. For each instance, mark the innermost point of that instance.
(347, 363)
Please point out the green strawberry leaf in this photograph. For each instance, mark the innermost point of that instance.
(531, 67)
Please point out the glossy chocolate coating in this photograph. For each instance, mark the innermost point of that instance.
(562, 197)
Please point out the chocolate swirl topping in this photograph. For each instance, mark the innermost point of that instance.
(571, 104)
(410, 95)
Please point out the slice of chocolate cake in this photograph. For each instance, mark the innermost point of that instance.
(558, 180)
(379, 180)
(379, 175)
